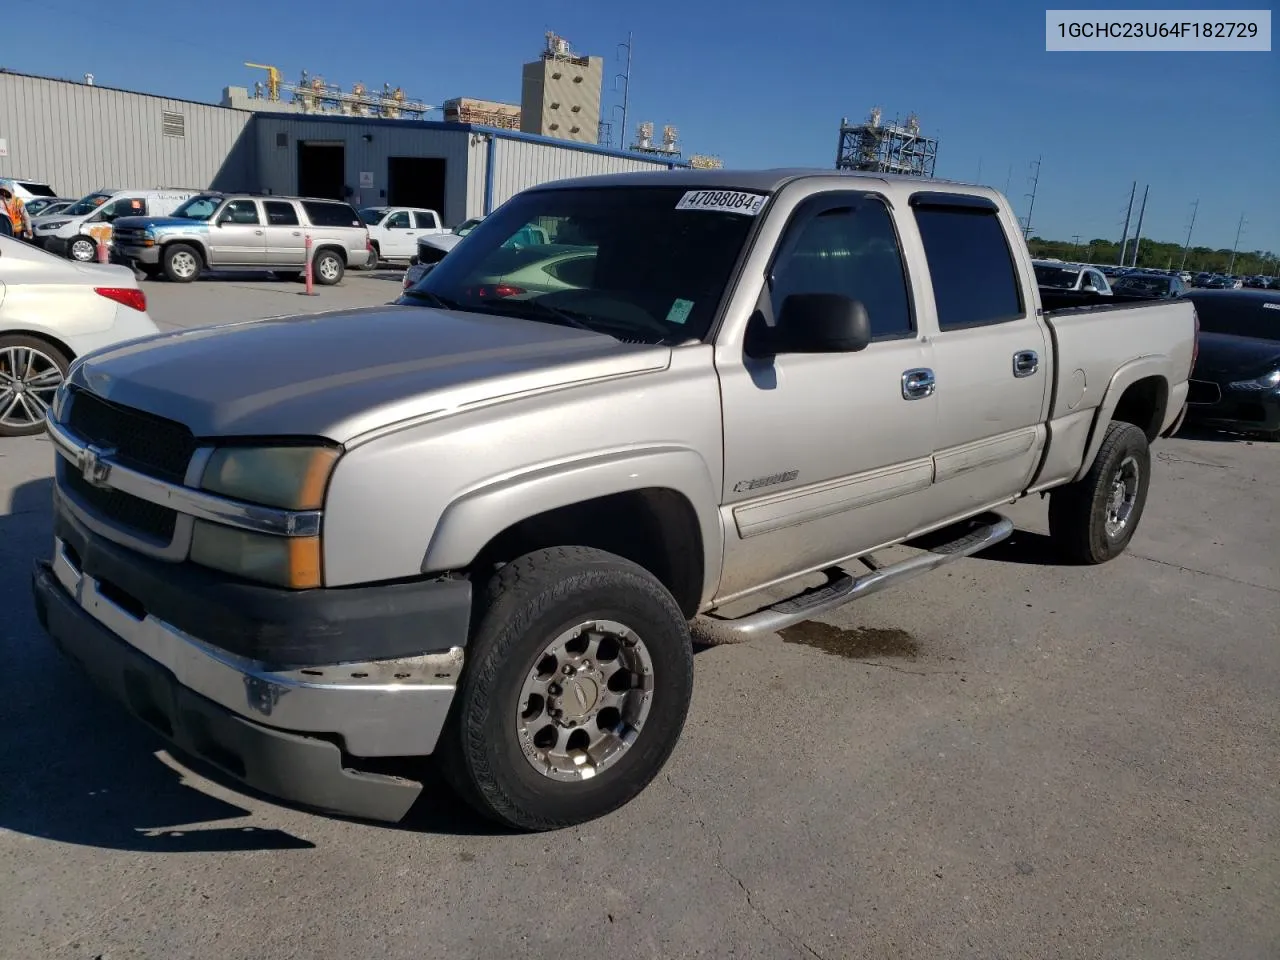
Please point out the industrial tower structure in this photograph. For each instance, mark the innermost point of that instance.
(560, 93)
(886, 148)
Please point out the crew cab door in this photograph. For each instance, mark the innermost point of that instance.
(991, 356)
(237, 236)
(398, 235)
(826, 455)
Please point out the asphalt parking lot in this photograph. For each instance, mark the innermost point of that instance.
(1013, 758)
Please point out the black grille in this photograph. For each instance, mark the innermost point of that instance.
(124, 510)
(147, 443)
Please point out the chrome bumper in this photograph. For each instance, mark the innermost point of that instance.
(382, 708)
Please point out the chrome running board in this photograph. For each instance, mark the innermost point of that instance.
(842, 587)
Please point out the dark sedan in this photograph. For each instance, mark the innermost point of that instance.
(1153, 286)
(1236, 381)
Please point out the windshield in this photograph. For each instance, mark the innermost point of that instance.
(623, 261)
(197, 208)
(1062, 278)
(87, 204)
(373, 215)
(466, 226)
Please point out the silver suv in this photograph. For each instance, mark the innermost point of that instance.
(246, 232)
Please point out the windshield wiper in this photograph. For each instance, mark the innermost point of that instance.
(434, 299)
(556, 314)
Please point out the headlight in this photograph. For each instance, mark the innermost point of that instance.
(292, 562)
(291, 478)
(54, 225)
(1265, 382)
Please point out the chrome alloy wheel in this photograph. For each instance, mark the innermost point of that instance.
(1123, 497)
(328, 268)
(184, 264)
(585, 701)
(28, 380)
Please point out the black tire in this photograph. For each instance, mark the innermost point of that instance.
(525, 606)
(1079, 512)
(82, 249)
(16, 345)
(182, 263)
(375, 256)
(328, 267)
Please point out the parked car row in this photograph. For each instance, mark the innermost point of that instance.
(181, 233)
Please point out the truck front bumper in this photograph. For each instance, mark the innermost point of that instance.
(128, 253)
(295, 733)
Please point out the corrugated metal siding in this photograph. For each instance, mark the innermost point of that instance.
(520, 165)
(278, 166)
(78, 138)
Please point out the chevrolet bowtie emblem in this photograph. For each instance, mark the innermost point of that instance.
(95, 465)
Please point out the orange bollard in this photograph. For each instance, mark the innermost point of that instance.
(102, 251)
(310, 292)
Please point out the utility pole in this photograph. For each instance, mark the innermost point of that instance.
(626, 88)
(1008, 180)
(1035, 184)
(1231, 267)
(1075, 243)
(979, 177)
(1124, 239)
(1187, 246)
(1137, 234)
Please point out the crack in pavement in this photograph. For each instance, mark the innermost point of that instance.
(1207, 573)
(914, 673)
(746, 893)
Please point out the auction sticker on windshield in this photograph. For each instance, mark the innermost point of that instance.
(723, 201)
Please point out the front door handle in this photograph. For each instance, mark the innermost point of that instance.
(258, 232)
(918, 383)
(297, 233)
(1025, 363)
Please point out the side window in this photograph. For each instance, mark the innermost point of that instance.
(974, 282)
(425, 221)
(280, 213)
(241, 212)
(851, 251)
(322, 214)
(124, 207)
(398, 220)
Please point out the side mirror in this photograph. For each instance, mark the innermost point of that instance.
(820, 323)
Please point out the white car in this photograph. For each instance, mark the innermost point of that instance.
(52, 312)
(394, 231)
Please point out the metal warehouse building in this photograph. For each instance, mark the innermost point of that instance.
(79, 137)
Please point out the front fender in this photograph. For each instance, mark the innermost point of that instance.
(1156, 365)
(473, 519)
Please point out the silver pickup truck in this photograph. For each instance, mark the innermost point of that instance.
(478, 523)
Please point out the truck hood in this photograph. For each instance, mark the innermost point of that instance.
(1224, 357)
(343, 373)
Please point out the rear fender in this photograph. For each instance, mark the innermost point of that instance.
(1129, 374)
(473, 519)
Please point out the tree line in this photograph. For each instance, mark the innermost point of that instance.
(1160, 256)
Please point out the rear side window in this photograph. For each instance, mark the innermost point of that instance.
(425, 221)
(37, 189)
(974, 282)
(280, 213)
(331, 214)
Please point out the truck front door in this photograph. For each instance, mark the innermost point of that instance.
(992, 358)
(826, 455)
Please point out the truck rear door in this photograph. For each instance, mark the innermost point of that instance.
(992, 358)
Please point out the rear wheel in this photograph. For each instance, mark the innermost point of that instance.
(31, 371)
(181, 263)
(1093, 519)
(328, 268)
(577, 687)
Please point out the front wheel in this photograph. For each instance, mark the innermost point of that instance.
(1093, 519)
(578, 682)
(181, 263)
(82, 250)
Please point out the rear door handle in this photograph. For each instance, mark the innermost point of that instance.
(258, 232)
(1025, 363)
(918, 383)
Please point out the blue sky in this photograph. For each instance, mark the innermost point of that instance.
(766, 85)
